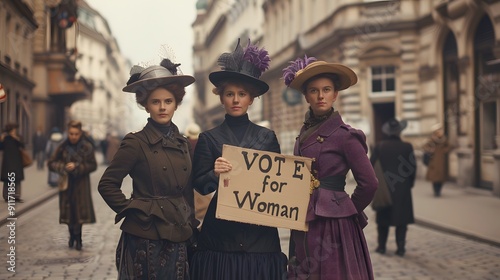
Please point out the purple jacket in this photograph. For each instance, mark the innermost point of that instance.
(337, 148)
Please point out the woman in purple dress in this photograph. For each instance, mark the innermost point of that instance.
(335, 246)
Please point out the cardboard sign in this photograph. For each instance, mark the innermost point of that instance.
(264, 188)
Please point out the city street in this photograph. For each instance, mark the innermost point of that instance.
(41, 250)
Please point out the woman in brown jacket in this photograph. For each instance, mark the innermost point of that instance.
(159, 217)
(75, 157)
(439, 147)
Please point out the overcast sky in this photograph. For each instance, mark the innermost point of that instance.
(141, 27)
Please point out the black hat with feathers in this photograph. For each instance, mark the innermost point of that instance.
(246, 64)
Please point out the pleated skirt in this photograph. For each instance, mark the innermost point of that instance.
(333, 248)
(212, 265)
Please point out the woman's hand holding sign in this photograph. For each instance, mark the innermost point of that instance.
(222, 165)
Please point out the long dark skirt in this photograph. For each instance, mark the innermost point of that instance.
(331, 249)
(211, 265)
(139, 258)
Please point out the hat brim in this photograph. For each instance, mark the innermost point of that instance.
(347, 77)
(152, 83)
(220, 76)
(394, 131)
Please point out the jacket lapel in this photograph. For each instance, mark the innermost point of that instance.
(325, 130)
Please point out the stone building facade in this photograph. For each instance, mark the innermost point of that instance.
(428, 62)
(57, 81)
(424, 61)
(100, 61)
(17, 25)
(217, 28)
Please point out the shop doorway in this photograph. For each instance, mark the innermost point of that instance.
(382, 112)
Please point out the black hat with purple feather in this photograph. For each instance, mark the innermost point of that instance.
(246, 64)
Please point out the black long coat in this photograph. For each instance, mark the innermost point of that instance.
(398, 163)
(77, 197)
(12, 162)
(222, 235)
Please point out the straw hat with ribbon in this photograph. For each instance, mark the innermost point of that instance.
(301, 70)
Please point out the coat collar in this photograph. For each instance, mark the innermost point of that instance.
(153, 136)
(329, 126)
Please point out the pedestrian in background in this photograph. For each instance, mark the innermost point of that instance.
(229, 250)
(55, 139)
(12, 164)
(397, 161)
(75, 159)
(159, 216)
(334, 247)
(104, 148)
(39, 143)
(438, 147)
(113, 143)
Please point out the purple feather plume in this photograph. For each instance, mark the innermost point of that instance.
(292, 69)
(258, 57)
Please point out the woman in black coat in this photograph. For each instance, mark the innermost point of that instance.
(399, 168)
(12, 164)
(226, 249)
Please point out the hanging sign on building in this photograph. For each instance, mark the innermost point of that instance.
(3, 94)
(264, 188)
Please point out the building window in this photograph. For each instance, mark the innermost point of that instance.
(383, 79)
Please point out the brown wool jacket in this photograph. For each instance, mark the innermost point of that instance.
(161, 205)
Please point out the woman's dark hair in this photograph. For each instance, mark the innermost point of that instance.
(333, 77)
(250, 88)
(75, 124)
(11, 126)
(176, 89)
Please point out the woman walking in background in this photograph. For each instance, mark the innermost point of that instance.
(438, 147)
(335, 246)
(75, 159)
(55, 139)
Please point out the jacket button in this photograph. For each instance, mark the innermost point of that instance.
(161, 207)
(155, 152)
(164, 142)
(241, 244)
(185, 168)
(179, 187)
(164, 168)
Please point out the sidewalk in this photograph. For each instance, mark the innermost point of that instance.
(34, 191)
(468, 212)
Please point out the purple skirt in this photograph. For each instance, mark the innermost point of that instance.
(212, 265)
(333, 248)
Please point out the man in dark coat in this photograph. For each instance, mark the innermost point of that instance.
(12, 164)
(39, 143)
(399, 168)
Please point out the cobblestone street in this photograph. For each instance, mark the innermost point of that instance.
(41, 250)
